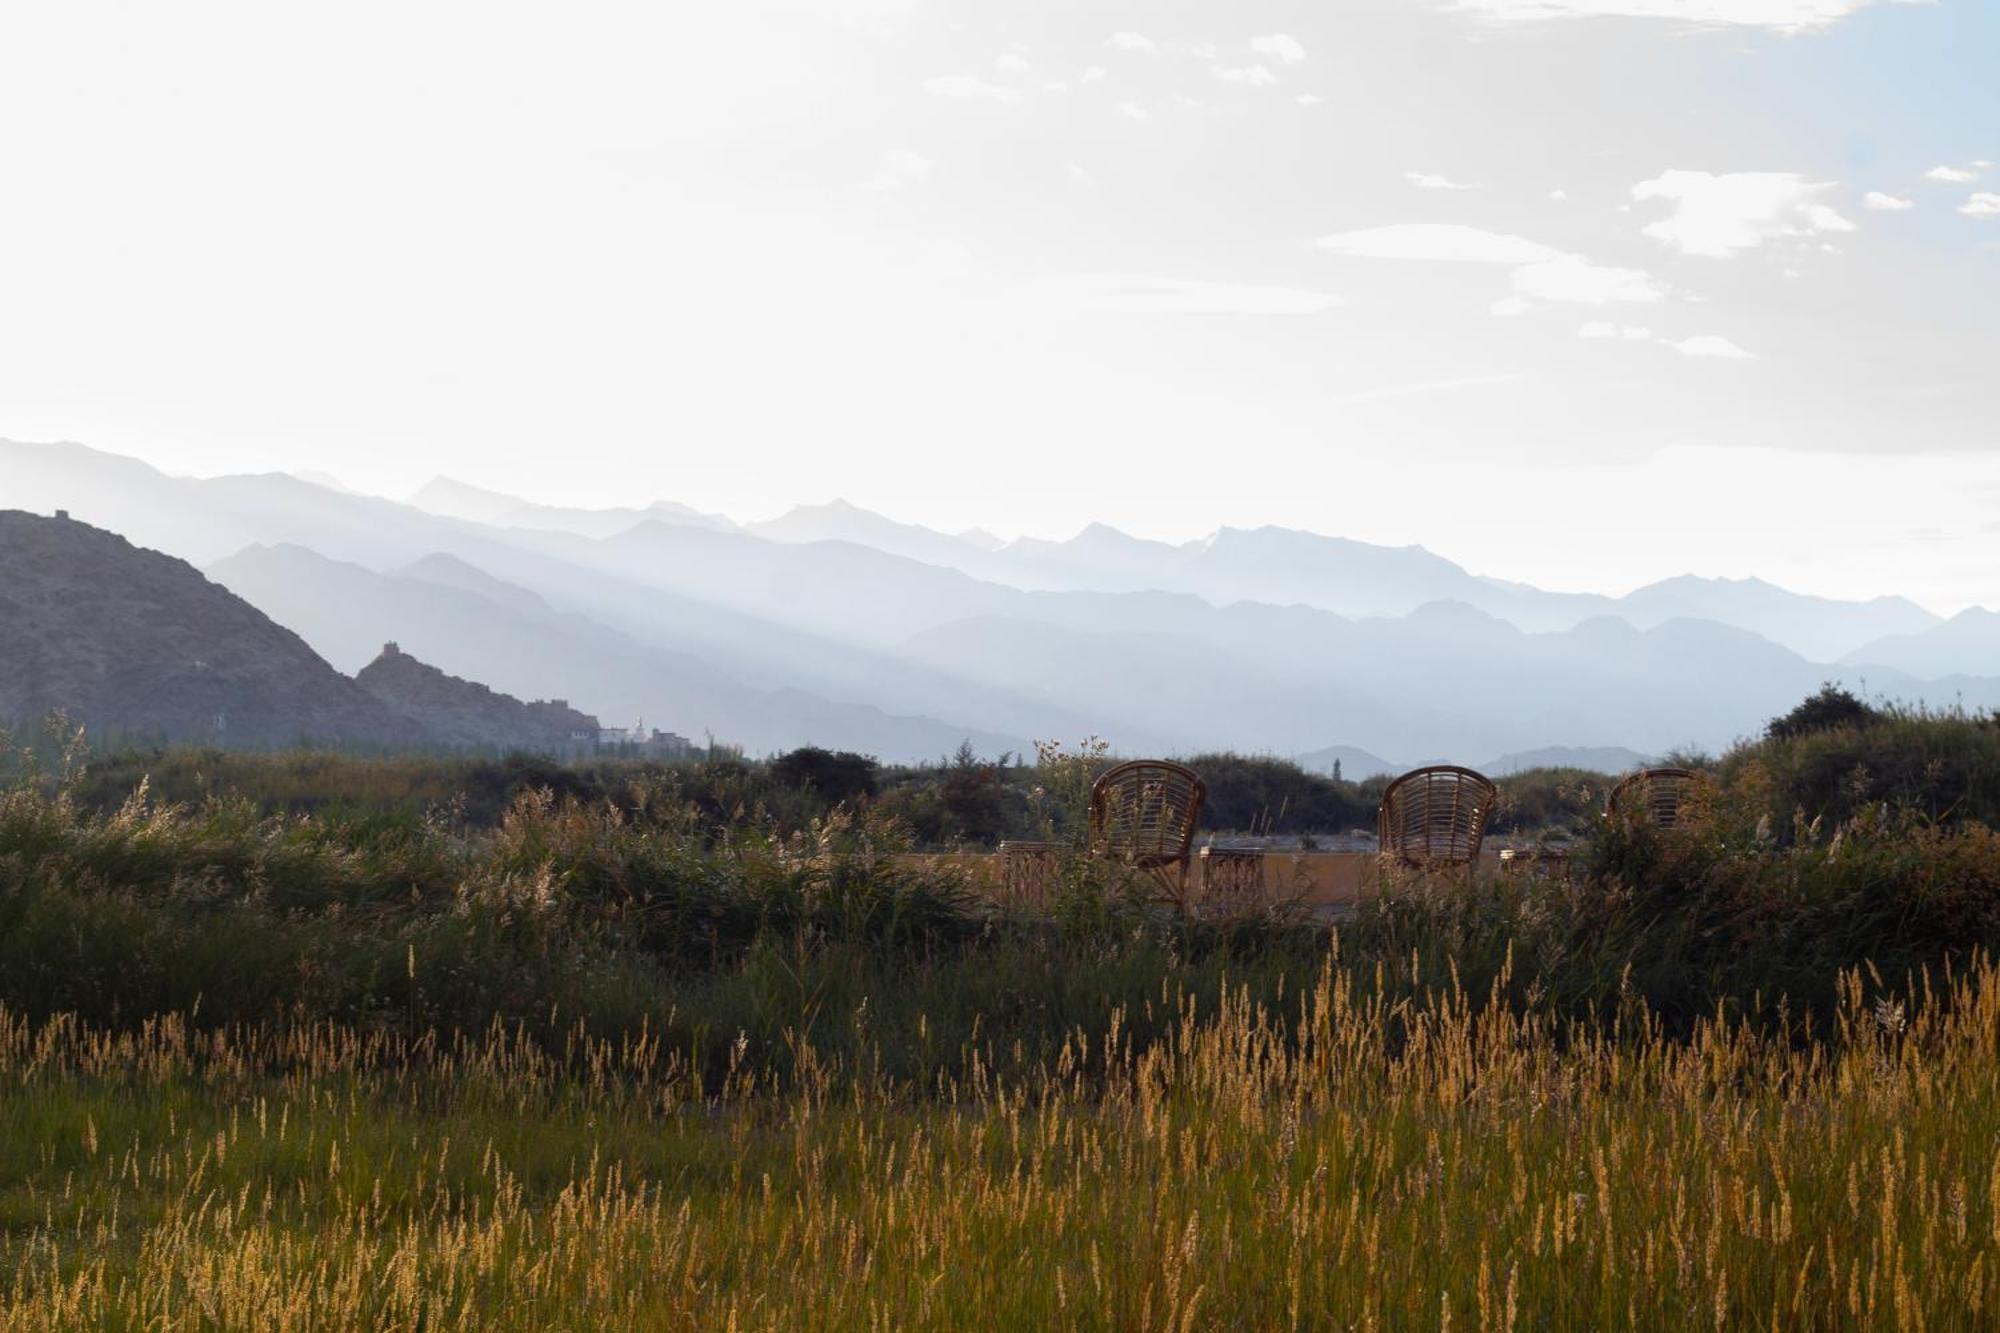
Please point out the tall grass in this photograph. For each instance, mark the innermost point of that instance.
(649, 1057)
(1326, 1160)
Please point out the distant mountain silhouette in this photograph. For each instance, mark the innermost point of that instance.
(1819, 628)
(468, 623)
(1968, 642)
(1285, 567)
(839, 521)
(1222, 643)
(131, 641)
(456, 499)
(1356, 765)
(1610, 760)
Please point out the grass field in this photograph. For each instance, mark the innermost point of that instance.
(1331, 1162)
(661, 1060)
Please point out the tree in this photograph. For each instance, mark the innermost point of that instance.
(834, 775)
(974, 794)
(1830, 708)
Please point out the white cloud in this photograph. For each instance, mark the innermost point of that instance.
(1780, 15)
(1095, 74)
(1011, 62)
(1132, 111)
(1559, 195)
(1308, 99)
(966, 88)
(1278, 46)
(1542, 273)
(1253, 76)
(1441, 242)
(1147, 294)
(898, 170)
(1879, 202)
(1574, 280)
(1719, 215)
(1623, 332)
(1425, 180)
(1137, 42)
(1710, 344)
(1985, 204)
(1951, 175)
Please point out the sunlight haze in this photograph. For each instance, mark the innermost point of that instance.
(1583, 292)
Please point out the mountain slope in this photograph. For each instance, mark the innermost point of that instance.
(860, 628)
(1968, 644)
(660, 598)
(1283, 566)
(129, 640)
(1819, 628)
(480, 629)
(461, 712)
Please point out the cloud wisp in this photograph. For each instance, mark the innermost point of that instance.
(1278, 46)
(1249, 76)
(1151, 294)
(1541, 273)
(1722, 215)
(1788, 16)
(1428, 180)
(1710, 345)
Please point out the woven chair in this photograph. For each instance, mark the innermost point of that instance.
(1143, 813)
(1657, 796)
(1436, 816)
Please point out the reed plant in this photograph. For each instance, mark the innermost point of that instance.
(1327, 1159)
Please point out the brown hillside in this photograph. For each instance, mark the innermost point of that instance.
(128, 640)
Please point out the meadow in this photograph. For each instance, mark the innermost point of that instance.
(651, 1059)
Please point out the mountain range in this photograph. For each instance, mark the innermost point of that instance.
(835, 626)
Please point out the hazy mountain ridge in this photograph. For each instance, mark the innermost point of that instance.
(903, 653)
(1285, 566)
(348, 611)
(1969, 642)
(456, 499)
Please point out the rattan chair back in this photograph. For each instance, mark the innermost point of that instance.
(1143, 812)
(1436, 815)
(1657, 796)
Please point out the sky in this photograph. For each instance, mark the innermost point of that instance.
(1581, 292)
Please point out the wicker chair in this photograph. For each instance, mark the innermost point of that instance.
(1436, 816)
(1657, 796)
(1143, 813)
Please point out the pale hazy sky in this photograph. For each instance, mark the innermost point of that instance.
(1578, 291)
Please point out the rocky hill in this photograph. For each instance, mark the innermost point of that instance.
(129, 641)
(465, 713)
